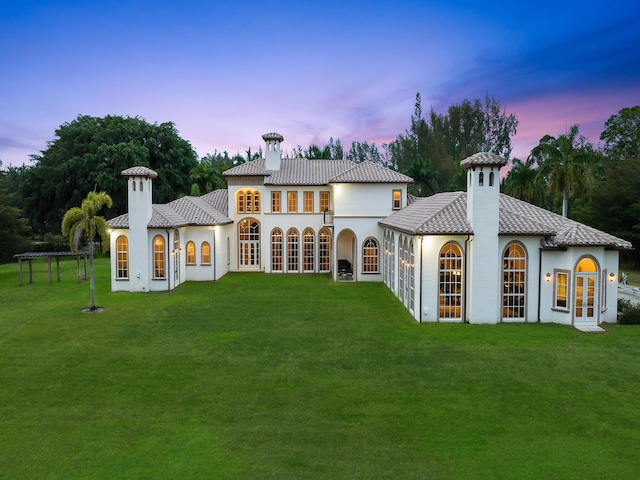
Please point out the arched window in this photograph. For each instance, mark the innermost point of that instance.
(248, 201)
(412, 277)
(158, 257)
(205, 253)
(176, 253)
(491, 179)
(292, 250)
(370, 255)
(392, 260)
(586, 291)
(324, 250)
(191, 253)
(308, 253)
(122, 249)
(481, 179)
(514, 282)
(400, 266)
(450, 286)
(249, 243)
(276, 250)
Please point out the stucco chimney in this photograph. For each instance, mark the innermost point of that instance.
(273, 153)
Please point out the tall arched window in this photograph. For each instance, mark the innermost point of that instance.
(292, 250)
(370, 255)
(249, 243)
(205, 253)
(412, 277)
(308, 253)
(324, 250)
(158, 257)
(191, 253)
(122, 249)
(586, 291)
(450, 287)
(514, 286)
(400, 266)
(276, 250)
(392, 260)
(176, 253)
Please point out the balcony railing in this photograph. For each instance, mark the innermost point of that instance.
(328, 218)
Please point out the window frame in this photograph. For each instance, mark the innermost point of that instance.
(292, 201)
(159, 258)
(205, 253)
(371, 256)
(325, 201)
(567, 295)
(514, 276)
(122, 258)
(293, 250)
(191, 255)
(308, 250)
(276, 202)
(451, 275)
(277, 250)
(396, 199)
(307, 202)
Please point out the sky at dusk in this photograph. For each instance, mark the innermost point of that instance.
(226, 72)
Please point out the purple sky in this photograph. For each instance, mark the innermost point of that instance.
(227, 72)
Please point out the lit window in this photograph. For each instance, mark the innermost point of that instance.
(325, 201)
(450, 287)
(308, 253)
(561, 289)
(370, 251)
(205, 252)
(308, 202)
(249, 243)
(122, 248)
(324, 250)
(191, 253)
(412, 277)
(275, 202)
(158, 257)
(248, 201)
(397, 199)
(292, 202)
(292, 250)
(513, 282)
(276, 250)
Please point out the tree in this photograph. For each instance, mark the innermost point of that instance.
(522, 182)
(445, 140)
(331, 151)
(564, 164)
(424, 177)
(13, 228)
(621, 134)
(613, 203)
(89, 153)
(81, 223)
(363, 152)
(207, 175)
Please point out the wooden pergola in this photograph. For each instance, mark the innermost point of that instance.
(30, 256)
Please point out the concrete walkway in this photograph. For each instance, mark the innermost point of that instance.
(629, 292)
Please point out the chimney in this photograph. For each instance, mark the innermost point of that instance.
(273, 154)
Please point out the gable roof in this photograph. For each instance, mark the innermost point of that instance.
(209, 209)
(446, 214)
(303, 171)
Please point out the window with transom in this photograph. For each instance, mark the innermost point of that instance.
(205, 253)
(292, 250)
(370, 255)
(122, 248)
(450, 286)
(158, 257)
(308, 251)
(191, 253)
(514, 279)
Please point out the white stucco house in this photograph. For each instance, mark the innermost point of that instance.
(476, 256)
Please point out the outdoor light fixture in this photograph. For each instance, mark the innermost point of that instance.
(547, 277)
(612, 277)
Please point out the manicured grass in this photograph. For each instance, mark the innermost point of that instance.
(297, 377)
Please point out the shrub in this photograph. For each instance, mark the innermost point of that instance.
(630, 316)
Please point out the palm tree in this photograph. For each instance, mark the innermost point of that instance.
(82, 222)
(522, 182)
(564, 164)
(423, 175)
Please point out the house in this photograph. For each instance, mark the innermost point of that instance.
(476, 256)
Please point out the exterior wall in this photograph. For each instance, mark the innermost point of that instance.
(566, 260)
(366, 199)
(351, 247)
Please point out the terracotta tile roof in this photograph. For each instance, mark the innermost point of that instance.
(184, 211)
(302, 171)
(439, 214)
(483, 159)
(369, 172)
(446, 213)
(139, 172)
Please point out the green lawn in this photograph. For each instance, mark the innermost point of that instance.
(297, 377)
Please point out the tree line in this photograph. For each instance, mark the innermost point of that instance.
(594, 184)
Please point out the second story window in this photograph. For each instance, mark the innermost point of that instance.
(325, 203)
(275, 202)
(292, 202)
(248, 201)
(397, 199)
(308, 202)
